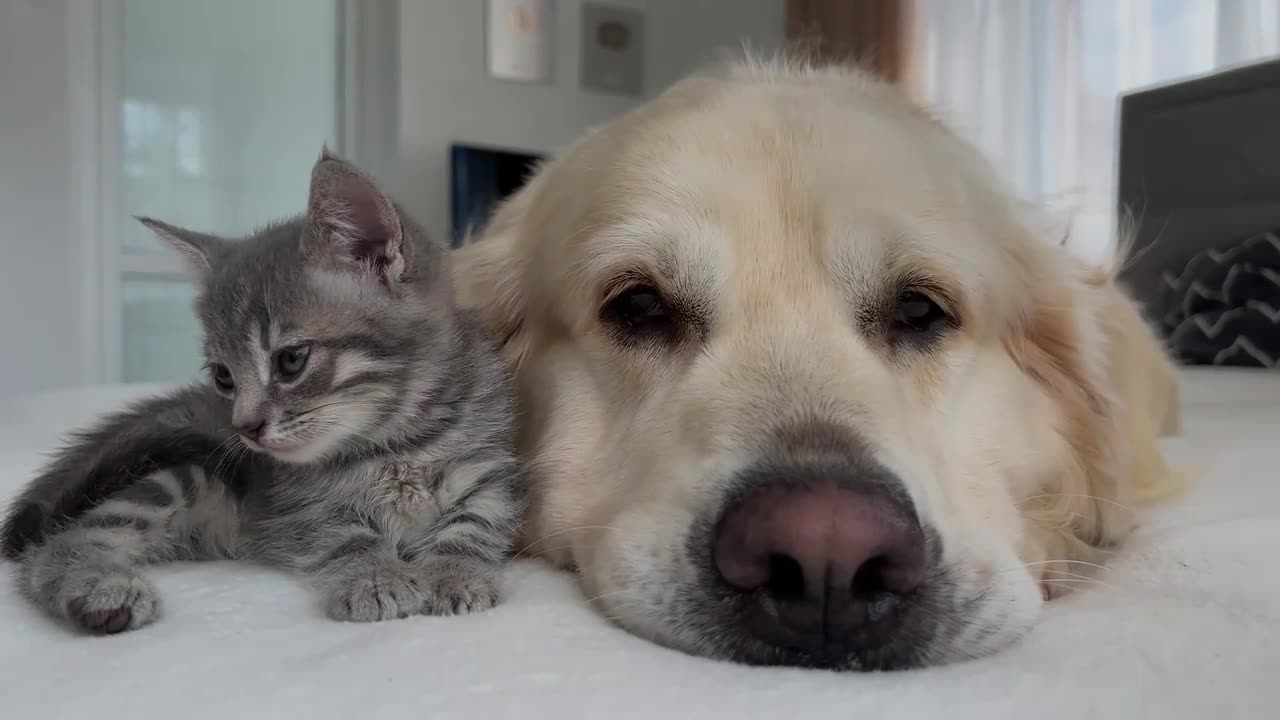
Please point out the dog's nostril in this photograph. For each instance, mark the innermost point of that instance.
(889, 574)
(869, 580)
(786, 578)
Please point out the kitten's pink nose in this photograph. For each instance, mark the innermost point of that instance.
(252, 429)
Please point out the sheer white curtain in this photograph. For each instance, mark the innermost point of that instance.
(1034, 83)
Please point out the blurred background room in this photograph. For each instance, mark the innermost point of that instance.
(209, 115)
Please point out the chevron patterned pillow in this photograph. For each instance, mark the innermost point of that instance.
(1224, 305)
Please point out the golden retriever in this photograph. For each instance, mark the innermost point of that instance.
(803, 384)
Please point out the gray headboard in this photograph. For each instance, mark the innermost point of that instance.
(1199, 166)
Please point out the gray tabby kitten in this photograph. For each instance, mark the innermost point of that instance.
(356, 428)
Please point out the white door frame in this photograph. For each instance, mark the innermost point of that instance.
(85, 89)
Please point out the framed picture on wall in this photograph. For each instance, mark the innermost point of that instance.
(520, 39)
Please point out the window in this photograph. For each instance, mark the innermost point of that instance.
(212, 121)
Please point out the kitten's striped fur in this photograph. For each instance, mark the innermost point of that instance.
(383, 470)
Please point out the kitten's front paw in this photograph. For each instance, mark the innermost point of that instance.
(108, 601)
(457, 586)
(381, 594)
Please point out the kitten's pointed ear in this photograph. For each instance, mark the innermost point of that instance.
(198, 248)
(350, 219)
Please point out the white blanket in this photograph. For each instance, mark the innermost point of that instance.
(1187, 626)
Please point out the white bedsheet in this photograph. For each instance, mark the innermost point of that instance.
(1188, 626)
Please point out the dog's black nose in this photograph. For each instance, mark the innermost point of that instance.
(822, 569)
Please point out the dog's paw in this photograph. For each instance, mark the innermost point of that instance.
(381, 594)
(108, 601)
(458, 586)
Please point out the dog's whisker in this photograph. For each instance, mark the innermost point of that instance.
(1068, 575)
(1076, 581)
(1072, 562)
(1085, 496)
(1068, 581)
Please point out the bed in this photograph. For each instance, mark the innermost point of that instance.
(1187, 624)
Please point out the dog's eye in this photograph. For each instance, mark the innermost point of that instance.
(636, 310)
(916, 314)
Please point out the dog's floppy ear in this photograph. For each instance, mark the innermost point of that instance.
(489, 276)
(1087, 347)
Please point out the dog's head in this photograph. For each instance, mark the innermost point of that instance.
(800, 382)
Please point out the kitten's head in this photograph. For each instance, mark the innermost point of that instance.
(321, 330)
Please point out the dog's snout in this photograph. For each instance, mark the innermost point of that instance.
(822, 569)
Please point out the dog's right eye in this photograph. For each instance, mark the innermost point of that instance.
(918, 319)
(637, 311)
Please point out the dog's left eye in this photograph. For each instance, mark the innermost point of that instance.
(637, 310)
(916, 314)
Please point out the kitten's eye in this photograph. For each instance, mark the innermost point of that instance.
(636, 310)
(291, 361)
(914, 313)
(222, 378)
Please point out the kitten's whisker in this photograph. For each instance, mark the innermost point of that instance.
(230, 438)
(562, 531)
(542, 549)
(228, 461)
(613, 593)
(348, 405)
(354, 432)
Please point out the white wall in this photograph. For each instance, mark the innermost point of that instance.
(40, 279)
(446, 95)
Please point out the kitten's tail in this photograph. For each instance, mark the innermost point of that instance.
(184, 427)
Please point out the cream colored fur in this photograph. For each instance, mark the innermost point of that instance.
(785, 199)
